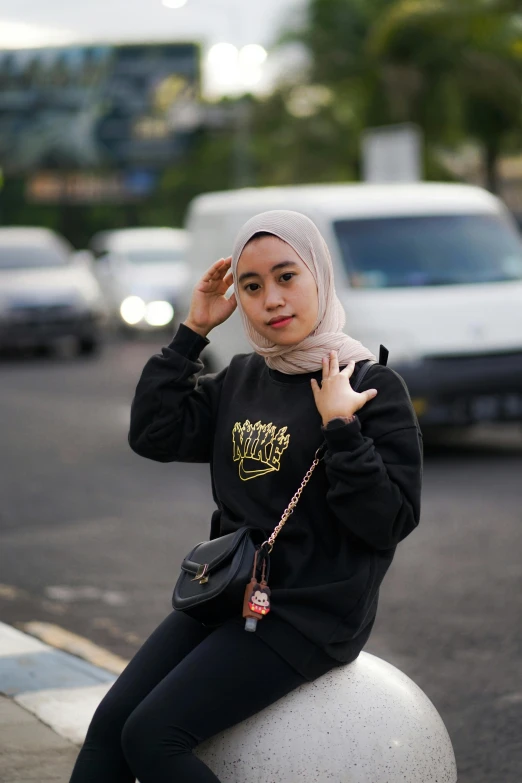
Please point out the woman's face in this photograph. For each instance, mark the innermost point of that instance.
(277, 291)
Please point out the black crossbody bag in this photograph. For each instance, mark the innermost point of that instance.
(215, 575)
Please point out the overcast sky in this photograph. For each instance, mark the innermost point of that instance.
(41, 22)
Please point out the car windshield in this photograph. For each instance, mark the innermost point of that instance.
(30, 257)
(428, 251)
(152, 256)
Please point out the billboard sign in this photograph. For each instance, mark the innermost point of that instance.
(86, 107)
(87, 187)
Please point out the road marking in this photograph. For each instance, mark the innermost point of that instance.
(72, 643)
(11, 593)
(68, 594)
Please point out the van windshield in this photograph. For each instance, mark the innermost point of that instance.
(429, 250)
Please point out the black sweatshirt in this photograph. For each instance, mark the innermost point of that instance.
(259, 430)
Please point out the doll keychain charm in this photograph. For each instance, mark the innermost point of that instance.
(256, 603)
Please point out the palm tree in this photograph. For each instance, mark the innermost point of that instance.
(453, 65)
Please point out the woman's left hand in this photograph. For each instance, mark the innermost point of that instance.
(335, 398)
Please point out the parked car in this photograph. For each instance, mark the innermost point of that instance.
(143, 272)
(47, 292)
(433, 271)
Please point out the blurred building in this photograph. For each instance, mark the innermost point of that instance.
(96, 123)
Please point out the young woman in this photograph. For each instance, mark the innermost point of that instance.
(289, 395)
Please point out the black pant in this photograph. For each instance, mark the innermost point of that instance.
(186, 683)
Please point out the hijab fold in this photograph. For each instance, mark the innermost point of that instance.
(304, 237)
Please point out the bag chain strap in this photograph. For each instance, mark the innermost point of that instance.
(293, 503)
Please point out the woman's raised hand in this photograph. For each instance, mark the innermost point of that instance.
(209, 307)
(335, 398)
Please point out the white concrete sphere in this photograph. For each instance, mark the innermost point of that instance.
(366, 722)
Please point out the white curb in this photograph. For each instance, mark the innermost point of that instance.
(62, 690)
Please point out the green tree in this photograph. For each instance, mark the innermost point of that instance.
(463, 59)
(451, 66)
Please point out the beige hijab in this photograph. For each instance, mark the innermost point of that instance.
(304, 237)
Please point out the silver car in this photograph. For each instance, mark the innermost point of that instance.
(47, 292)
(143, 273)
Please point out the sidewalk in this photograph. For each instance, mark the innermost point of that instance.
(47, 700)
(31, 751)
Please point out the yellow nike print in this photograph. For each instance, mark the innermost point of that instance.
(258, 448)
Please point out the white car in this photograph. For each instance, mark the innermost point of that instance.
(143, 273)
(433, 271)
(47, 292)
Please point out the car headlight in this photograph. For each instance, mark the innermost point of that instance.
(159, 313)
(134, 309)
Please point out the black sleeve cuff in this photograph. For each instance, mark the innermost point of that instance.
(342, 436)
(188, 343)
(339, 421)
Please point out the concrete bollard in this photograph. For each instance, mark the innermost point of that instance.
(366, 722)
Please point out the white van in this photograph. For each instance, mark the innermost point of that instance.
(433, 271)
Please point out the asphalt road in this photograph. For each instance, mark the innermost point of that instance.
(93, 536)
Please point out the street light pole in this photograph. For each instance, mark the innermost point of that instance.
(238, 70)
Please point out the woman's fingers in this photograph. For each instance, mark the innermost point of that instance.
(369, 395)
(216, 276)
(224, 268)
(223, 271)
(213, 272)
(330, 365)
(232, 301)
(218, 269)
(326, 368)
(223, 287)
(348, 370)
(224, 284)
